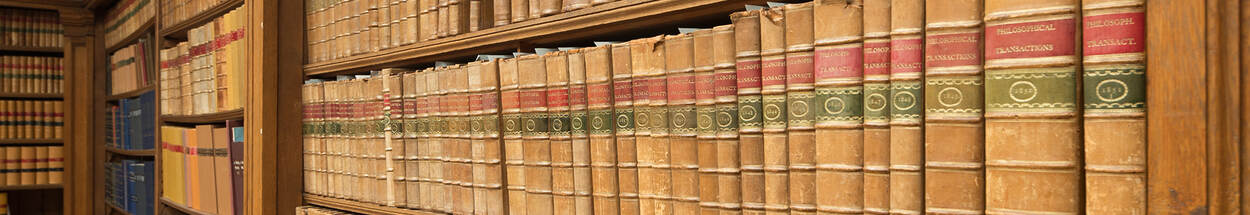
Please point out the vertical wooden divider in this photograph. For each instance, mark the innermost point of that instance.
(273, 160)
(80, 72)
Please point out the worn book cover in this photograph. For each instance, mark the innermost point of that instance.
(1114, 111)
(954, 130)
(510, 125)
(906, 106)
(536, 142)
(725, 119)
(800, 95)
(624, 124)
(773, 80)
(751, 140)
(559, 123)
(682, 122)
(600, 124)
(839, 116)
(705, 128)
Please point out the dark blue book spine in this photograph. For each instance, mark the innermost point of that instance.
(148, 120)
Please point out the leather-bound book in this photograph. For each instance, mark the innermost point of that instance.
(705, 126)
(535, 8)
(445, 23)
(428, 28)
(839, 106)
(485, 18)
(660, 147)
(623, 120)
(906, 107)
(1032, 130)
(532, 74)
(583, 202)
(502, 12)
(800, 95)
(639, 58)
(598, 2)
(550, 7)
(313, 97)
(725, 121)
(682, 122)
(519, 10)
(421, 162)
(458, 18)
(411, 91)
(1114, 91)
(463, 140)
(954, 132)
(41, 165)
(751, 141)
(570, 5)
(510, 124)
(558, 119)
(876, 106)
(439, 197)
(600, 124)
(393, 112)
(490, 197)
(773, 80)
(56, 164)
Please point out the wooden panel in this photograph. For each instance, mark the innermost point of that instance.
(1245, 109)
(1176, 132)
(83, 102)
(1223, 110)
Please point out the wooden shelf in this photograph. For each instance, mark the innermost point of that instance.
(204, 118)
(180, 207)
(49, 50)
(31, 95)
(31, 141)
(136, 153)
(178, 31)
(132, 93)
(360, 207)
(585, 24)
(117, 209)
(144, 29)
(31, 187)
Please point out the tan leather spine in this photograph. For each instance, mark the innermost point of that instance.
(472, 126)
(510, 124)
(532, 74)
(683, 148)
(410, 151)
(773, 79)
(838, 69)
(558, 121)
(876, 106)
(1032, 131)
(395, 158)
(571, 5)
(583, 200)
(906, 89)
(751, 141)
(520, 10)
(444, 18)
(549, 7)
(661, 145)
(800, 95)
(623, 119)
(1114, 114)
(640, 50)
(443, 147)
(458, 12)
(705, 109)
(502, 12)
(954, 130)
(600, 124)
(492, 151)
(725, 121)
(464, 141)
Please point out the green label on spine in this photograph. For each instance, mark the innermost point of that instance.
(876, 102)
(512, 124)
(959, 96)
(706, 121)
(1031, 90)
(1115, 88)
(749, 112)
(559, 123)
(624, 120)
(534, 124)
(659, 120)
(642, 119)
(600, 122)
(800, 108)
(906, 100)
(839, 105)
(489, 123)
(774, 111)
(726, 117)
(577, 123)
(683, 119)
(475, 126)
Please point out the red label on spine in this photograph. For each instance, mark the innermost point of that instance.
(533, 98)
(877, 58)
(905, 56)
(725, 84)
(410, 106)
(748, 74)
(558, 97)
(704, 86)
(490, 101)
(799, 69)
(774, 72)
(658, 89)
(510, 99)
(641, 88)
(680, 87)
(577, 95)
(422, 106)
(1030, 39)
(953, 50)
(1115, 33)
(475, 102)
(839, 62)
(622, 91)
(599, 94)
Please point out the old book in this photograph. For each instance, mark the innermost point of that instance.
(413, 87)
(488, 171)
(650, 99)
(1113, 88)
(876, 104)
(501, 12)
(570, 5)
(13, 167)
(725, 119)
(438, 197)
(56, 164)
(520, 10)
(550, 7)
(773, 88)
(535, 8)
(313, 129)
(800, 94)
(751, 140)
(1032, 135)
(221, 171)
(583, 202)
(599, 125)
(559, 127)
(532, 75)
(705, 126)
(26, 166)
(393, 93)
(906, 135)
(623, 119)
(514, 160)
(41, 165)
(463, 140)
(954, 132)
(458, 19)
(428, 20)
(839, 116)
(682, 122)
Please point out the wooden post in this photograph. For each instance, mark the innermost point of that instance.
(81, 113)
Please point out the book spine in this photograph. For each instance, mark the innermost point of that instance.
(773, 80)
(463, 145)
(537, 143)
(705, 127)
(623, 119)
(56, 164)
(1032, 130)
(494, 201)
(640, 85)
(600, 124)
(954, 132)
(751, 141)
(311, 185)
(502, 12)
(838, 74)
(520, 10)
(725, 119)
(571, 5)
(511, 125)
(392, 117)
(1114, 112)
(550, 7)
(682, 123)
(659, 148)
(558, 119)
(906, 101)
(800, 94)
(876, 106)
(582, 187)
(412, 127)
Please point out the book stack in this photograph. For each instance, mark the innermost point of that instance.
(132, 67)
(200, 167)
(31, 119)
(130, 185)
(125, 18)
(176, 11)
(876, 107)
(31, 28)
(32, 164)
(206, 74)
(31, 74)
(130, 124)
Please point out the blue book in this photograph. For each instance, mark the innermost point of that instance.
(140, 187)
(147, 118)
(122, 124)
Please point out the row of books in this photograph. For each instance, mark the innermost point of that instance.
(31, 74)
(131, 123)
(202, 167)
(964, 106)
(31, 28)
(132, 67)
(314, 210)
(177, 11)
(206, 74)
(342, 28)
(31, 119)
(130, 185)
(32, 164)
(125, 18)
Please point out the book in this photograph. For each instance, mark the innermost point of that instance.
(314, 127)
(549, 7)
(773, 89)
(623, 96)
(220, 155)
(26, 165)
(413, 86)
(876, 106)
(180, 11)
(491, 156)
(600, 124)
(31, 119)
(203, 182)
(582, 185)
(704, 90)
(56, 164)
(682, 123)
(906, 112)
(125, 18)
(462, 148)
(725, 90)
(31, 74)
(651, 175)
(800, 96)
(1113, 86)
(954, 132)
(839, 87)
(502, 12)
(520, 10)
(532, 76)
(559, 122)
(750, 124)
(511, 125)
(1032, 130)
(32, 28)
(236, 154)
(172, 159)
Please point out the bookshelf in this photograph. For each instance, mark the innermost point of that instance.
(31, 141)
(135, 153)
(356, 207)
(144, 30)
(43, 50)
(132, 93)
(211, 118)
(181, 208)
(31, 96)
(31, 187)
(178, 31)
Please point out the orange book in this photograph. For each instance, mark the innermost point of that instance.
(532, 76)
(725, 117)
(623, 119)
(204, 182)
(876, 106)
(191, 169)
(705, 126)
(221, 171)
(750, 124)
(600, 123)
(682, 123)
(514, 160)
(907, 102)
(1114, 89)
